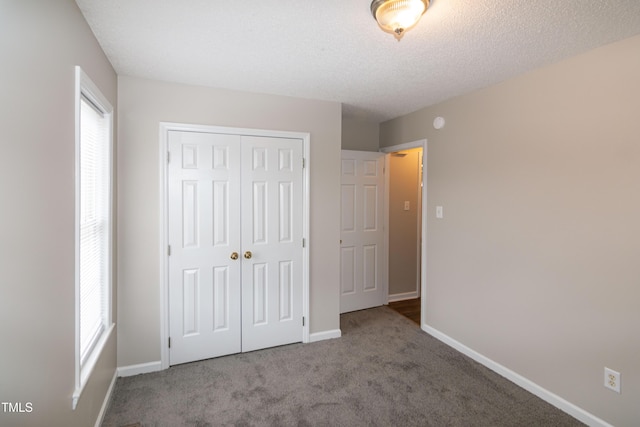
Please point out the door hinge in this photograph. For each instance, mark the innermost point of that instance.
(303, 242)
(169, 342)
(168, 156)
(169, 250)
(302, 320)
(303, 163)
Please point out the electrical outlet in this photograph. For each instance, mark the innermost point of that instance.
(612, 379)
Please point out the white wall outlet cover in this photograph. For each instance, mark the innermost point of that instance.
(612, 379)
(438, 122)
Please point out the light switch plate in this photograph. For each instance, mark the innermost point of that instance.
(407, 205)
(439, 212)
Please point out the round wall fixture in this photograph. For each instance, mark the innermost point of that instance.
(438, 122)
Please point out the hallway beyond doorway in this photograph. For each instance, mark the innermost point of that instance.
(409, 308)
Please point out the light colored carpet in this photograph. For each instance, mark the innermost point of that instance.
(383, 371)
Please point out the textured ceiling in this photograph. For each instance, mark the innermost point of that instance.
(333, 49)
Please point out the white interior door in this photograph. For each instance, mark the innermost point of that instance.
(231, 195)
(272, 235)
(204, 231)
(362, 278)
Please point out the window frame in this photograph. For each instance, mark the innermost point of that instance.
(87, 90)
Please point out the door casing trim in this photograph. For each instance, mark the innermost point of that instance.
(165, 127)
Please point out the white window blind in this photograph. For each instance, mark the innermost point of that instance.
(93, 326)
(94, 225)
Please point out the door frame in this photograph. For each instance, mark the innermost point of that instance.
(165, 127)
(421, 143)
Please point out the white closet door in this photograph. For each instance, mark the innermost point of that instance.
(227, 195)
(204, 231)
(272, 234)
(362, 234)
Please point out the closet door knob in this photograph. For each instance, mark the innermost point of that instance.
(234, 255)
(248, 255)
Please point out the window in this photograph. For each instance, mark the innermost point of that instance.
(94, 124)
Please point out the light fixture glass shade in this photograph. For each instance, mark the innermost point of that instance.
(397, 16)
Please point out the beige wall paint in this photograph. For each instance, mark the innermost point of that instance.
(40, 43)
(404, 231)
(535, 264)
(143, 105)
(359, 134)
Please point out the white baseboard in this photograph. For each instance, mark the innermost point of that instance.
(107, 400)
(403, 296)
(142, 368)
(325, 335)
(145, 368)
(521, 381)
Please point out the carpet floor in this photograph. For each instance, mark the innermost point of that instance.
(383, 371)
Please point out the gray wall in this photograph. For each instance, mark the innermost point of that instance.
(143, 104)
(40, 43)
(359, 134)
(535, 264)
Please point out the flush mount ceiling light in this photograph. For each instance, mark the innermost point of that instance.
(398, 16)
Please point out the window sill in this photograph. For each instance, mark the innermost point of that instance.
(87, 368)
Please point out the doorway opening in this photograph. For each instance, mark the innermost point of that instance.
(405, 194)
